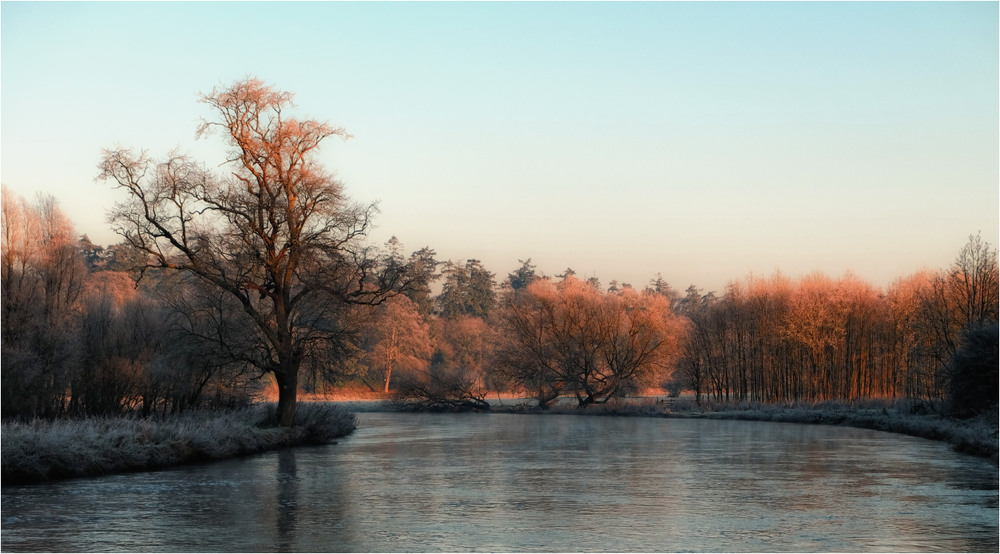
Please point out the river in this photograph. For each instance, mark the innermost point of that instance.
(502, 482)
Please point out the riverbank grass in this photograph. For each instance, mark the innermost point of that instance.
(41, 450)
(977, 436)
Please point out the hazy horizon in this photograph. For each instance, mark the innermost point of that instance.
(702, 141)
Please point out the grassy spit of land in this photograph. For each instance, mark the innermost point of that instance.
(41, 450)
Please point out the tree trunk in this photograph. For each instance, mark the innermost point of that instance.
(388, 375)
(389, 356)
(287, 378)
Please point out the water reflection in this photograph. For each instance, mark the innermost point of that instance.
(530, 483)
(287, 500)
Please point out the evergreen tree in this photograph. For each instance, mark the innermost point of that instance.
(468, 290)
(522, 276)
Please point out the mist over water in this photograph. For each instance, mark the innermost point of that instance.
(423, 482)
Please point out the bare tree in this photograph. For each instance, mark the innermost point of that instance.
(976, 282)
(20, 252)
(527, 355)
(277, 234)
(570, 337)
(643, 340)
(395, 338)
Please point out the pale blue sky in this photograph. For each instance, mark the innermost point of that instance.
(700, 140)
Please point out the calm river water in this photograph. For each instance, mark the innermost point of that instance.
(406, 482)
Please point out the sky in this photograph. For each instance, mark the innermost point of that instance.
(703, 141)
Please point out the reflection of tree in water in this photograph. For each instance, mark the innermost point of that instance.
(287, 501)
(311, 509)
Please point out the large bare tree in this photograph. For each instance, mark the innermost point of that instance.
(276, 232)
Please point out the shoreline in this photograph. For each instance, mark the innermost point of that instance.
(44, 451)
(976, 437)
(971, 437)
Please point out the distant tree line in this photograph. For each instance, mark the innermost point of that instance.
(817, 338)
(81, 337)
(224, 285)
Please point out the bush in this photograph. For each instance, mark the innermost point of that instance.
(972, 375)
(674, 386)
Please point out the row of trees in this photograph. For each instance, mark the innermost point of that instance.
(547, 337)
(80, 337)
(931, 337)
(819, 338)
(264, 272)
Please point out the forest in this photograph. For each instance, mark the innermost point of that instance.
(224, 288)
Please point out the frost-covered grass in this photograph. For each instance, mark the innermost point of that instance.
(40, 450)
(977, 436)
